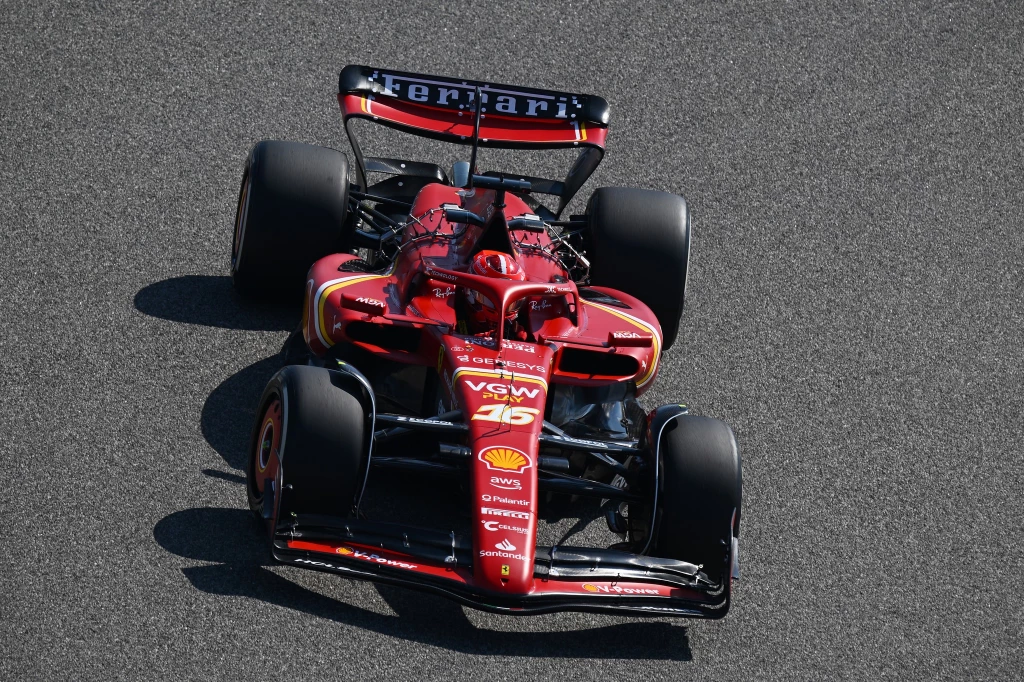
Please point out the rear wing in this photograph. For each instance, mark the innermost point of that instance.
(512, 117)
(441, 107)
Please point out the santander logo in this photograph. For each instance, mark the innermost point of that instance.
(505, 546)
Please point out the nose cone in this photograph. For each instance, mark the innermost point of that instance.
(503, 395)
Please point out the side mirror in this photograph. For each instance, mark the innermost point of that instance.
(460, 174)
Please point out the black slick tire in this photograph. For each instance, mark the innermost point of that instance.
(639, 243)
(323, 442)
(292, 210)
(700, 488)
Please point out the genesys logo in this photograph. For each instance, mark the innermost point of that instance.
(507, 513)
(505, 459)
(373, 558)
(514, 394)
(495, 526)
(540, 369)
(616, 589)
(506, 483)
(504, 500)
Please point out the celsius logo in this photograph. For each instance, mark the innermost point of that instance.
(495, 526)
(505, 546)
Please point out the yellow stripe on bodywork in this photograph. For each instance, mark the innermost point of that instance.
(322, 300)
(489, 374)
(642, 325)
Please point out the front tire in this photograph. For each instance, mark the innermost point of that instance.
(312, 439)
(292, 210)
(700, 494)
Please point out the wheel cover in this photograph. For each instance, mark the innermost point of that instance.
(266, 455)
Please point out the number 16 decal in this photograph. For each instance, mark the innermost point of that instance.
(506, 414)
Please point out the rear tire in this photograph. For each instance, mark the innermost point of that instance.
(701, 487)
(292, 211)
(319, 448)
(639, 243)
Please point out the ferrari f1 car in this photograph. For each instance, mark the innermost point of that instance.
(457, 325)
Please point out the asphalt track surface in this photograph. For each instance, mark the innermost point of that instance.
(855, 312)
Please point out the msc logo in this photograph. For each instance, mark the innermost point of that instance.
(505, 459)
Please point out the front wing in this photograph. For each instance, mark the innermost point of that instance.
(565, 579)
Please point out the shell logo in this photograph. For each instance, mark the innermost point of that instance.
(345, 550)
(505, 459)
(589, 588)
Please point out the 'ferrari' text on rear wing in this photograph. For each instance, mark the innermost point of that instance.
(437, 106)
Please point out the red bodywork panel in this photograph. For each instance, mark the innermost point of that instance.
(494, 129)
(408, 315)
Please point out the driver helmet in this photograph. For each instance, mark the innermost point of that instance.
(501, 266)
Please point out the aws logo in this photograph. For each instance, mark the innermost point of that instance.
(505, 459)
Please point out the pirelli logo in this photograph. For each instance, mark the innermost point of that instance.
(507, 513)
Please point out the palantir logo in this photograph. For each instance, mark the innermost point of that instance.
(505, 546)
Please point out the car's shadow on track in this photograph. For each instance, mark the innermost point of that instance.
(230, 409)
(211, 301)
(230, 540)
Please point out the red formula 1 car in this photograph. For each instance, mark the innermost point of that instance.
(457, 326)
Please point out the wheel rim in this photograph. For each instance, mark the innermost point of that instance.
(241, 218)
(266, 455)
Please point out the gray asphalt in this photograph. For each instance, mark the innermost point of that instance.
(855, 312)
